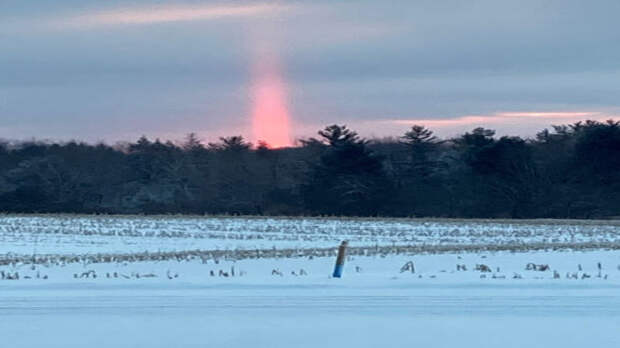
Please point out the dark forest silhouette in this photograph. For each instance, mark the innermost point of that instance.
(572, 171)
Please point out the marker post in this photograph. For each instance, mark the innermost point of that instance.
(340, 260)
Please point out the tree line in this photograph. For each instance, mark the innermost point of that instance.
(570, 171)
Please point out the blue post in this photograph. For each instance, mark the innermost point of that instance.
(340, 260)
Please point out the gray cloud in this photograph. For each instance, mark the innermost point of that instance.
(352, 61)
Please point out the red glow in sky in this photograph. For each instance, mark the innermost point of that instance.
(270, 114)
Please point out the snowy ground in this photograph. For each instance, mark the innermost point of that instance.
(293, 302)
(87, 234)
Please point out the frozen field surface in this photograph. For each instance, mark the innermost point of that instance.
(319, 316)
(457, 298)
(376, 307)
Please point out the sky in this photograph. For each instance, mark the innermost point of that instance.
(281, 70)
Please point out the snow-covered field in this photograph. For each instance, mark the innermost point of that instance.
(104, 234)
(475, 296)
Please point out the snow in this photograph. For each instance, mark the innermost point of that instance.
(303, 316)
(178, 303)
(48, 234)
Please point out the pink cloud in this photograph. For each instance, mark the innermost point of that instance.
(504, 117)
(176, 13)
(505, 123)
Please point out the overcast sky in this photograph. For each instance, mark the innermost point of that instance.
(114, 70)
